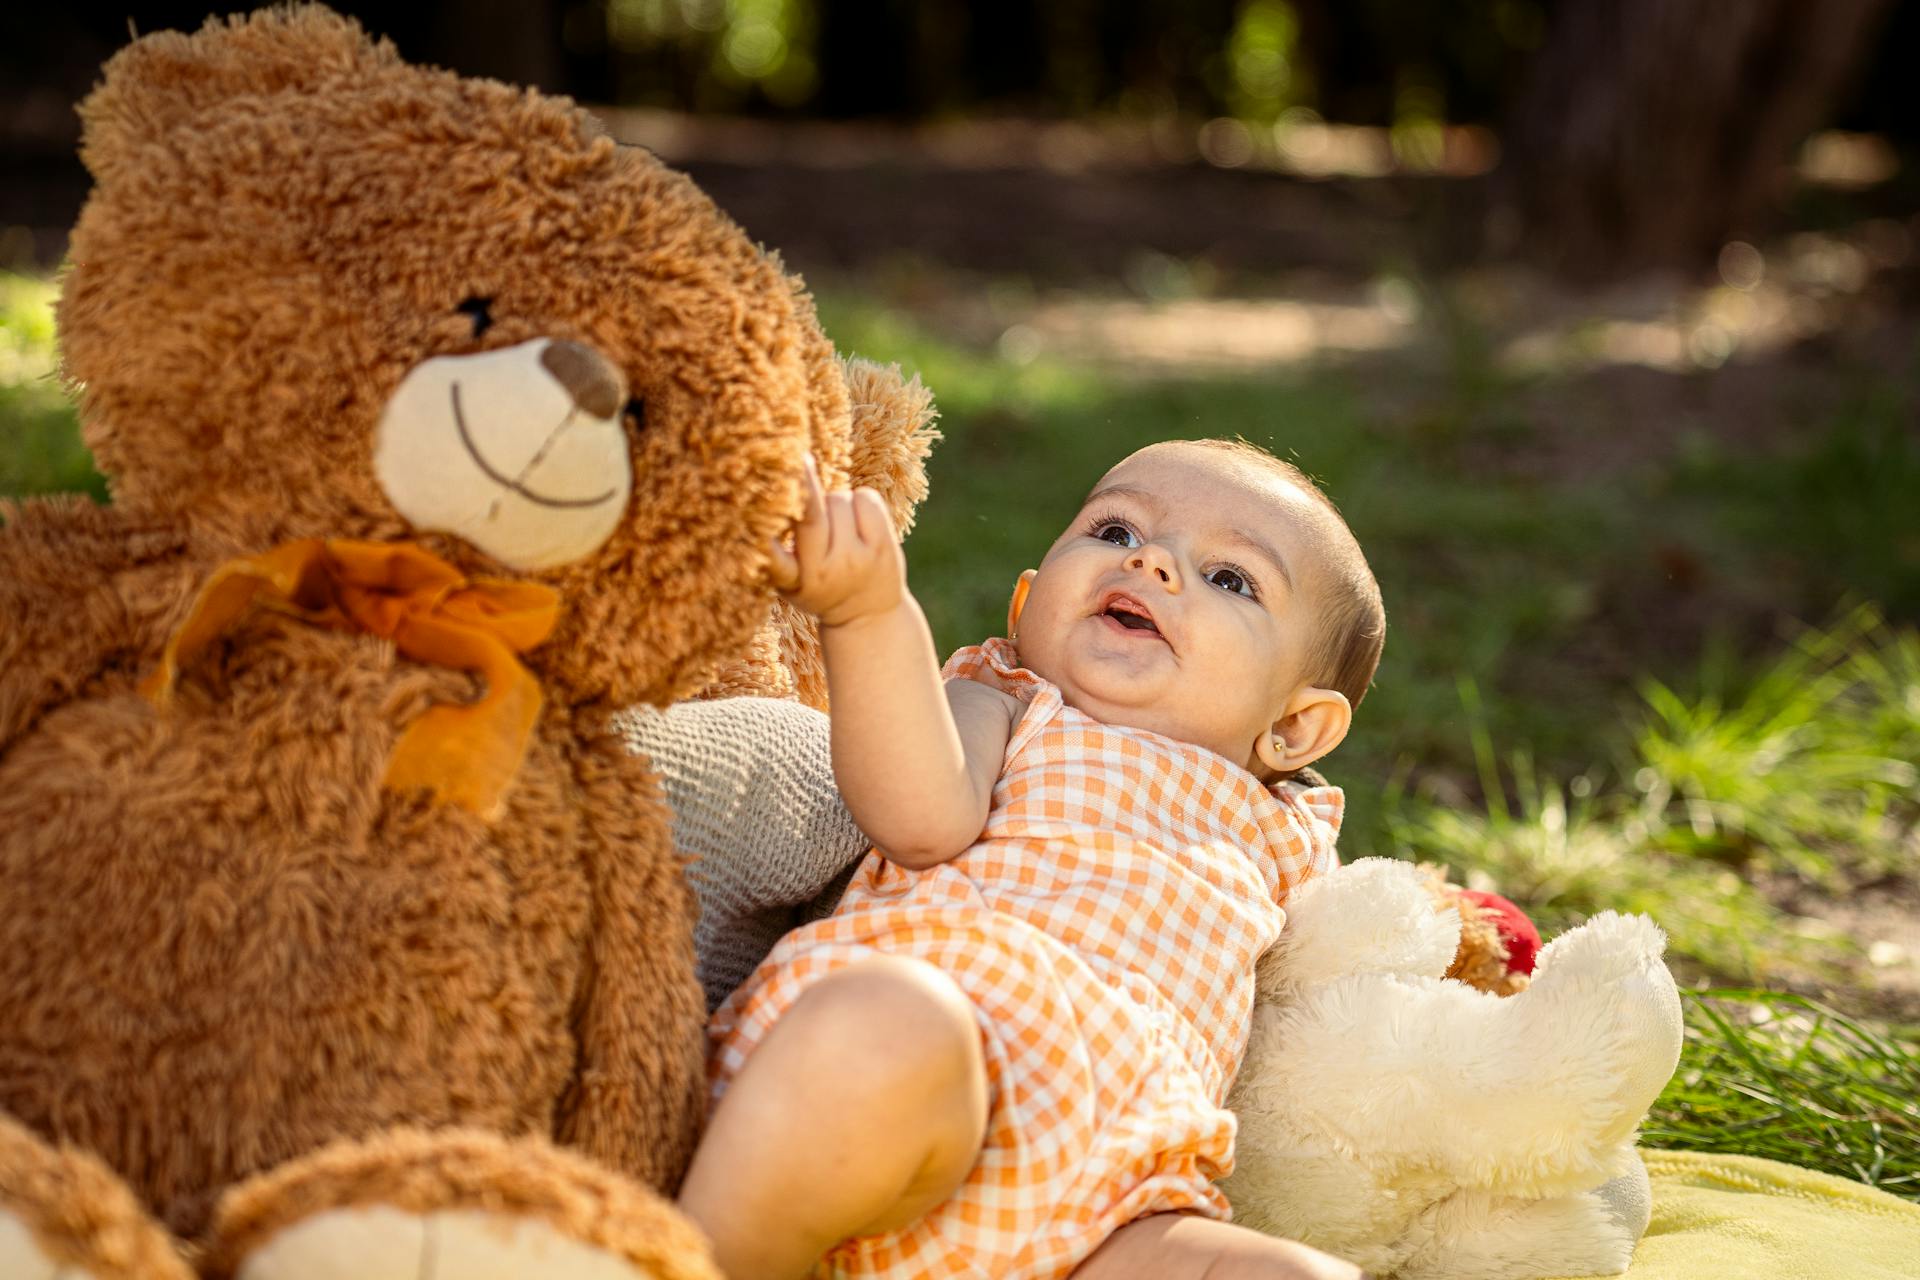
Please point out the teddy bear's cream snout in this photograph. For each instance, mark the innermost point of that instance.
(520, 451)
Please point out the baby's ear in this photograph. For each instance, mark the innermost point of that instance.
(1314, 723)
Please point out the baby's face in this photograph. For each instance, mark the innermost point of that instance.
(1181, 600)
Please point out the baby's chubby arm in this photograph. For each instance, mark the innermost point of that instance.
(915, 763)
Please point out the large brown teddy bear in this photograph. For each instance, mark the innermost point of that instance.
(339, 933)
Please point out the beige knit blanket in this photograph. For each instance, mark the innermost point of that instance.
(750, 781)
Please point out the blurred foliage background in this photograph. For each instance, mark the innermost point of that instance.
(1600, 320)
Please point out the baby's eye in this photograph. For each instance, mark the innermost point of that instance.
(1229, 579)
(1116, 533)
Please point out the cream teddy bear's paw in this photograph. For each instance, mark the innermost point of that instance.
(1475, 1236)
(1629, 1198)
(378, 1242)
(1607, 976)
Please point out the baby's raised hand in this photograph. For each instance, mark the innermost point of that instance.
(846, 562)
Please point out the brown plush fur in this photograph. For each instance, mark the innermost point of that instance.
(285, 221)
(223, 944)
(892, 434)
(119, 579)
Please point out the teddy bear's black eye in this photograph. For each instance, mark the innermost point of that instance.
(637, 410)
(477, 308)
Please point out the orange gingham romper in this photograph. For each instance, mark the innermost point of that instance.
(1105, 926)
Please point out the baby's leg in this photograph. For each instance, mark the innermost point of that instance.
(864, 1107)
(1183, 1246)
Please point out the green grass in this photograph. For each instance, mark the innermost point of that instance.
(1786, 1078)
(1837, 506)
(1564, 849)
(40, 449)
(1811, 771)
(1805, 770)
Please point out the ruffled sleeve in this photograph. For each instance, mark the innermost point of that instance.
(1320, 809)
(996, 664)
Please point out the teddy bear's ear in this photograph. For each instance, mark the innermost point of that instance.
(892, 435)
(163, 80)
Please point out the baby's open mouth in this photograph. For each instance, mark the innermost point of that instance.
(1130, 614)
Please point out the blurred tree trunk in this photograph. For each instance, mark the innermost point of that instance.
(1652, 130)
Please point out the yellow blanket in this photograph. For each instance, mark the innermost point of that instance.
(1740, 1218)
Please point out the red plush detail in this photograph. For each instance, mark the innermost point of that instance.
(1522, 939)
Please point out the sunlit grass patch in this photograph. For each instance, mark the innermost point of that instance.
(1810, 769)
(1807, 771)
(1767, 1074)
(1564, 853)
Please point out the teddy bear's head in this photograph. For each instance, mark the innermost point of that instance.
(319, 293)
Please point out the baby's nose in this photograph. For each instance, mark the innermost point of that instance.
(1145, 559)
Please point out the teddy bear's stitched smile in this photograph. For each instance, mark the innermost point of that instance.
(473, 450)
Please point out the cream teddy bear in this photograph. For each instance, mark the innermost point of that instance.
(1422, 1128)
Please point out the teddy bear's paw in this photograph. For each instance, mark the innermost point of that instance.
(1607, 978)
(411, 1204)
(1628, 1198)
(1472, 1235)
(24, 1256)
(65, 1214)
(379, 1242)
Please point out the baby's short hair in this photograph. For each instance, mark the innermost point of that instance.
(1352, 630)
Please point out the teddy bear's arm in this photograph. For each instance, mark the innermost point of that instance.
(639, 1096)
(750, 781)
(81, 588)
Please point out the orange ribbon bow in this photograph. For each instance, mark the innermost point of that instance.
(465, 755)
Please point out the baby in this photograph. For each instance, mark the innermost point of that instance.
(1004, 1055)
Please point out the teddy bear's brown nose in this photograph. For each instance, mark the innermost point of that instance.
(588, 376)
